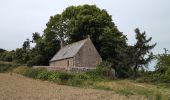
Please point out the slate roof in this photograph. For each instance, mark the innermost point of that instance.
(68, 51)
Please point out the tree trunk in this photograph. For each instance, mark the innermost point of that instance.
(135, 70)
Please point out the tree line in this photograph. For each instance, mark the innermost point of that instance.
(76, 23)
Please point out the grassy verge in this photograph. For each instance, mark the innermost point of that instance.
(93, 79)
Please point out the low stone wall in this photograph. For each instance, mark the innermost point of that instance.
(70, 69)
(81, 69)
(40, 67)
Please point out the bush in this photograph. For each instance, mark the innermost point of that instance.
(31, 73)
(65, 76)
(104, 68)
(43, 74)
(4, 67)
(82, 76)
(78, 79)
(54, 76)
(7, 66)
(95, 75)
(75, 81)
(21, 70)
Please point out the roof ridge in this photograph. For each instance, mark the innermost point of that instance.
(74, 43)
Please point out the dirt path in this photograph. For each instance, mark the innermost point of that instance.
(17, 87)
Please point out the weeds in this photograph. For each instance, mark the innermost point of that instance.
(125, 92)
(90, 79)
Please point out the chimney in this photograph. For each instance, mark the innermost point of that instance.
(61, 43)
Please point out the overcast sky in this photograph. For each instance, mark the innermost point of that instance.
(20, 18)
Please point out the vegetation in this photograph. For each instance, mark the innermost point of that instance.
(7, 66)
(86, 80)
(75, 23)
(162, 71)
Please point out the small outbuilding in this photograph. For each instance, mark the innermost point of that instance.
(81, 54)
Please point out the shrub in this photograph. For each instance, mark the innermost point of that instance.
(95, 75)
(21, 70)
(54, 76)
(75, 81)
(104, 68)
(82, 76)
(4, 67)
(7, 66)
(65, 76)
(43, 74)
(78, 79)
(31, 73)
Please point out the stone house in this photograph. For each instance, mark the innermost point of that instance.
(78, 55)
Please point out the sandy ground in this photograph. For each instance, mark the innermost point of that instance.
(17, 87)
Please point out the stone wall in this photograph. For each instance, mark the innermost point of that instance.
(71, 69)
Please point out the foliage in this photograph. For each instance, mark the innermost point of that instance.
(7, 66)
(73, 79)
(26, 44)
(43, 74)
(7, 56)
(2, 50)
(124, 87)
(162, 72)
(53, 76)
(142, 55)
(76, 22)
(63, 77)
(21, 70)
(35, 36)
(125, 92)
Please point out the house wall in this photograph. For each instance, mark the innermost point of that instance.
(62, 63)
(87, 56)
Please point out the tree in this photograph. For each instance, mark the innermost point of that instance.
(76, 22)
(2, 50)
(143, 54)
(26, 44)
(35, 36)
(163, 60)
(162, 68)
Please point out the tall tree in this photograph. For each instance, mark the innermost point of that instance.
(26, 44)
(143, 54)
(35, 36)
(76, 22)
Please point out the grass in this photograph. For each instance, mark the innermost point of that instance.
(125, 92)
(103, 87)
(128, 87)
(7, 66)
